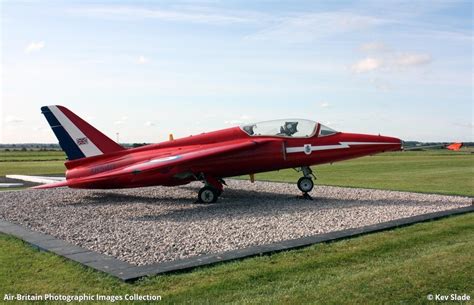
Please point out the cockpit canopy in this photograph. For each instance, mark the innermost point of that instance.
(294, 128)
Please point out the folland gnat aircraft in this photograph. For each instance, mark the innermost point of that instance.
(97, 162)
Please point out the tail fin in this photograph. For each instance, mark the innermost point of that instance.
(76, 137)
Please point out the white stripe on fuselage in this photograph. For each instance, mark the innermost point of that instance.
(88, 149)
(337, 146)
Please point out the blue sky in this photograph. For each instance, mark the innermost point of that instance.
(147, 69)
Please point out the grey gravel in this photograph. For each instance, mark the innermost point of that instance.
(157, 224)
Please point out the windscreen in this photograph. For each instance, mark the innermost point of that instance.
(295, 128)
(326, 131)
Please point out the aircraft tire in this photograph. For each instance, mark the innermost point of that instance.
(208, 194)
(305, 184)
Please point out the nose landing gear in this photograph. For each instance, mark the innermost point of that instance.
(305, 183)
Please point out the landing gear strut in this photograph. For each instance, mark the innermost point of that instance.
(305, 183)
(211, 191)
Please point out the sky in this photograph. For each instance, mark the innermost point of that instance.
(144, 69)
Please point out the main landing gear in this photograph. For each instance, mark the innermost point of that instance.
(305, 183)
(211, 191)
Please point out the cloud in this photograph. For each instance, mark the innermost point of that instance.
(34, 46)
(366, 65)
(192, 15)
(142, 60)
(324, 105)
(149, 124)
(309, 27)
(388, 59)
(11, 119)
(412, 59)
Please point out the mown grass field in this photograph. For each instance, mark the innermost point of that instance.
(31, 162)
(401, 266)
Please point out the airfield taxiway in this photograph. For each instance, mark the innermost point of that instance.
(158, 224)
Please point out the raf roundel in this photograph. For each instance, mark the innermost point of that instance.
(307, 149)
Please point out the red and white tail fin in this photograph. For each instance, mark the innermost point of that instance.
(76, 137)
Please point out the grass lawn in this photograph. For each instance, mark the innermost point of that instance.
(401, 266)
(32, 162)
(31, 156)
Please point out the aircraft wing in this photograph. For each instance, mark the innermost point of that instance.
(182, 158)
(161, 162)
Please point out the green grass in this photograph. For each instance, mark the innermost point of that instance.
(32, 162)
(38, 155)
(32, 168)
(400, 266)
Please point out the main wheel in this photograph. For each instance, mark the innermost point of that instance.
(208, 194)
(305, 184)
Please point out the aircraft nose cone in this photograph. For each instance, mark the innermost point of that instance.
(372, 143)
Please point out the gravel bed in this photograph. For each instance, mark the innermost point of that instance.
(157, 224)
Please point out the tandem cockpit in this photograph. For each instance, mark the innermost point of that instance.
(293, 128)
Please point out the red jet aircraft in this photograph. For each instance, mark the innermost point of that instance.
(97, 162)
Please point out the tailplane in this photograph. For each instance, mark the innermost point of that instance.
(76, 137)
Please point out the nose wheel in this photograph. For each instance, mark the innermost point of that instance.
(305, 184)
